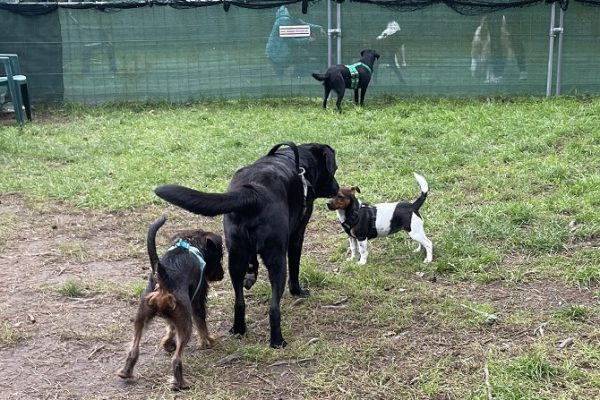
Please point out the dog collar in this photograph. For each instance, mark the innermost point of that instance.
(195, 251)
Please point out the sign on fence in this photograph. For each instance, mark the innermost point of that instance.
(290, 31)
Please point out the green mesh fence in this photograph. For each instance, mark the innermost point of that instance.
(164, 53)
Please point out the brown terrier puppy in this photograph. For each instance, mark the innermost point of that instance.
(176, 291)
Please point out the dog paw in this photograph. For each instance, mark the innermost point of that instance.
(300, 292)
(278, 344)
(238, 331)
(125, 374)
(168, 344)
(207, 342)
(249, 280)
(177, 386)
(362, 262)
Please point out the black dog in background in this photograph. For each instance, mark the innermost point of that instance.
(177, 291)
(267, 207)
(339, 77)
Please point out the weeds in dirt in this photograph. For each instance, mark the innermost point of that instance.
(118, 290)
(73, 251)
(573, 312)
(73, 289)
(9, 334)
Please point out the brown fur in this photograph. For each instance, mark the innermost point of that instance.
(343, 198)
(168, 295)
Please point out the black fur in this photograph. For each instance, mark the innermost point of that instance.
(338, 78)
(265, 214)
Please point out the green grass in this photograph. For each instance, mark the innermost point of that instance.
(513, 212)
(72, 288)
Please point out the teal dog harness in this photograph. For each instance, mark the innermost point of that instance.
(354, 76)
(195, 251)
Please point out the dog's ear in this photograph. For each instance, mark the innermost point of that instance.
(356, 189)
(377, 55)
(214, 242)
(329, 155)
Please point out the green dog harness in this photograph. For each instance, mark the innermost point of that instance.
(195, 251)
(354, 73)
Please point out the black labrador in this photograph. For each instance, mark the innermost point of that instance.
(267, 207)
(354, 76)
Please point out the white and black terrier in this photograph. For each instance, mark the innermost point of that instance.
(362, 221)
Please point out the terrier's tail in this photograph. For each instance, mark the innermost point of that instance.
(160, 298)
(151, 242)
(424, 189)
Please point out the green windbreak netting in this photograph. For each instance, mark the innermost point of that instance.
(94, 55)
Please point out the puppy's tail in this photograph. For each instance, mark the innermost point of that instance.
(320, 77)
(160, 297)
(209, 204)
(424, 189)
(151, 242)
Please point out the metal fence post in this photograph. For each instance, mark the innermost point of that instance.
(334, 32)
(554, 32)
(551, 51)
(560, 32)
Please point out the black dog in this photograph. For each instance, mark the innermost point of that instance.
(177, 291)
(267, 207)
(355, 76)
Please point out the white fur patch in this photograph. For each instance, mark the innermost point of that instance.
(385, 212)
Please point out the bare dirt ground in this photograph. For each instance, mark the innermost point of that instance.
(72, 347)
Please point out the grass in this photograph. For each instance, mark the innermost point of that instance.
(10, 335)
(513, 212)
(72, 288)
(117, 290)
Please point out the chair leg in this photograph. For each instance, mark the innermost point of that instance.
(17, 102)
(26, 101)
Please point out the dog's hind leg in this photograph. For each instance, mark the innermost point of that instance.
(182, 320)
(418, 234)
(238, 264)
(356, 96)
(277, 270)
(340, 97)
(145, 313)
(326, 96)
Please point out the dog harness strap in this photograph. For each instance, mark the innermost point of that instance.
(372, 213)
(195, 251)
(299, 169)
(354, 76)
(292, 146)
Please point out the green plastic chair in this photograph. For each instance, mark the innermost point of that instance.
(17, 86)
